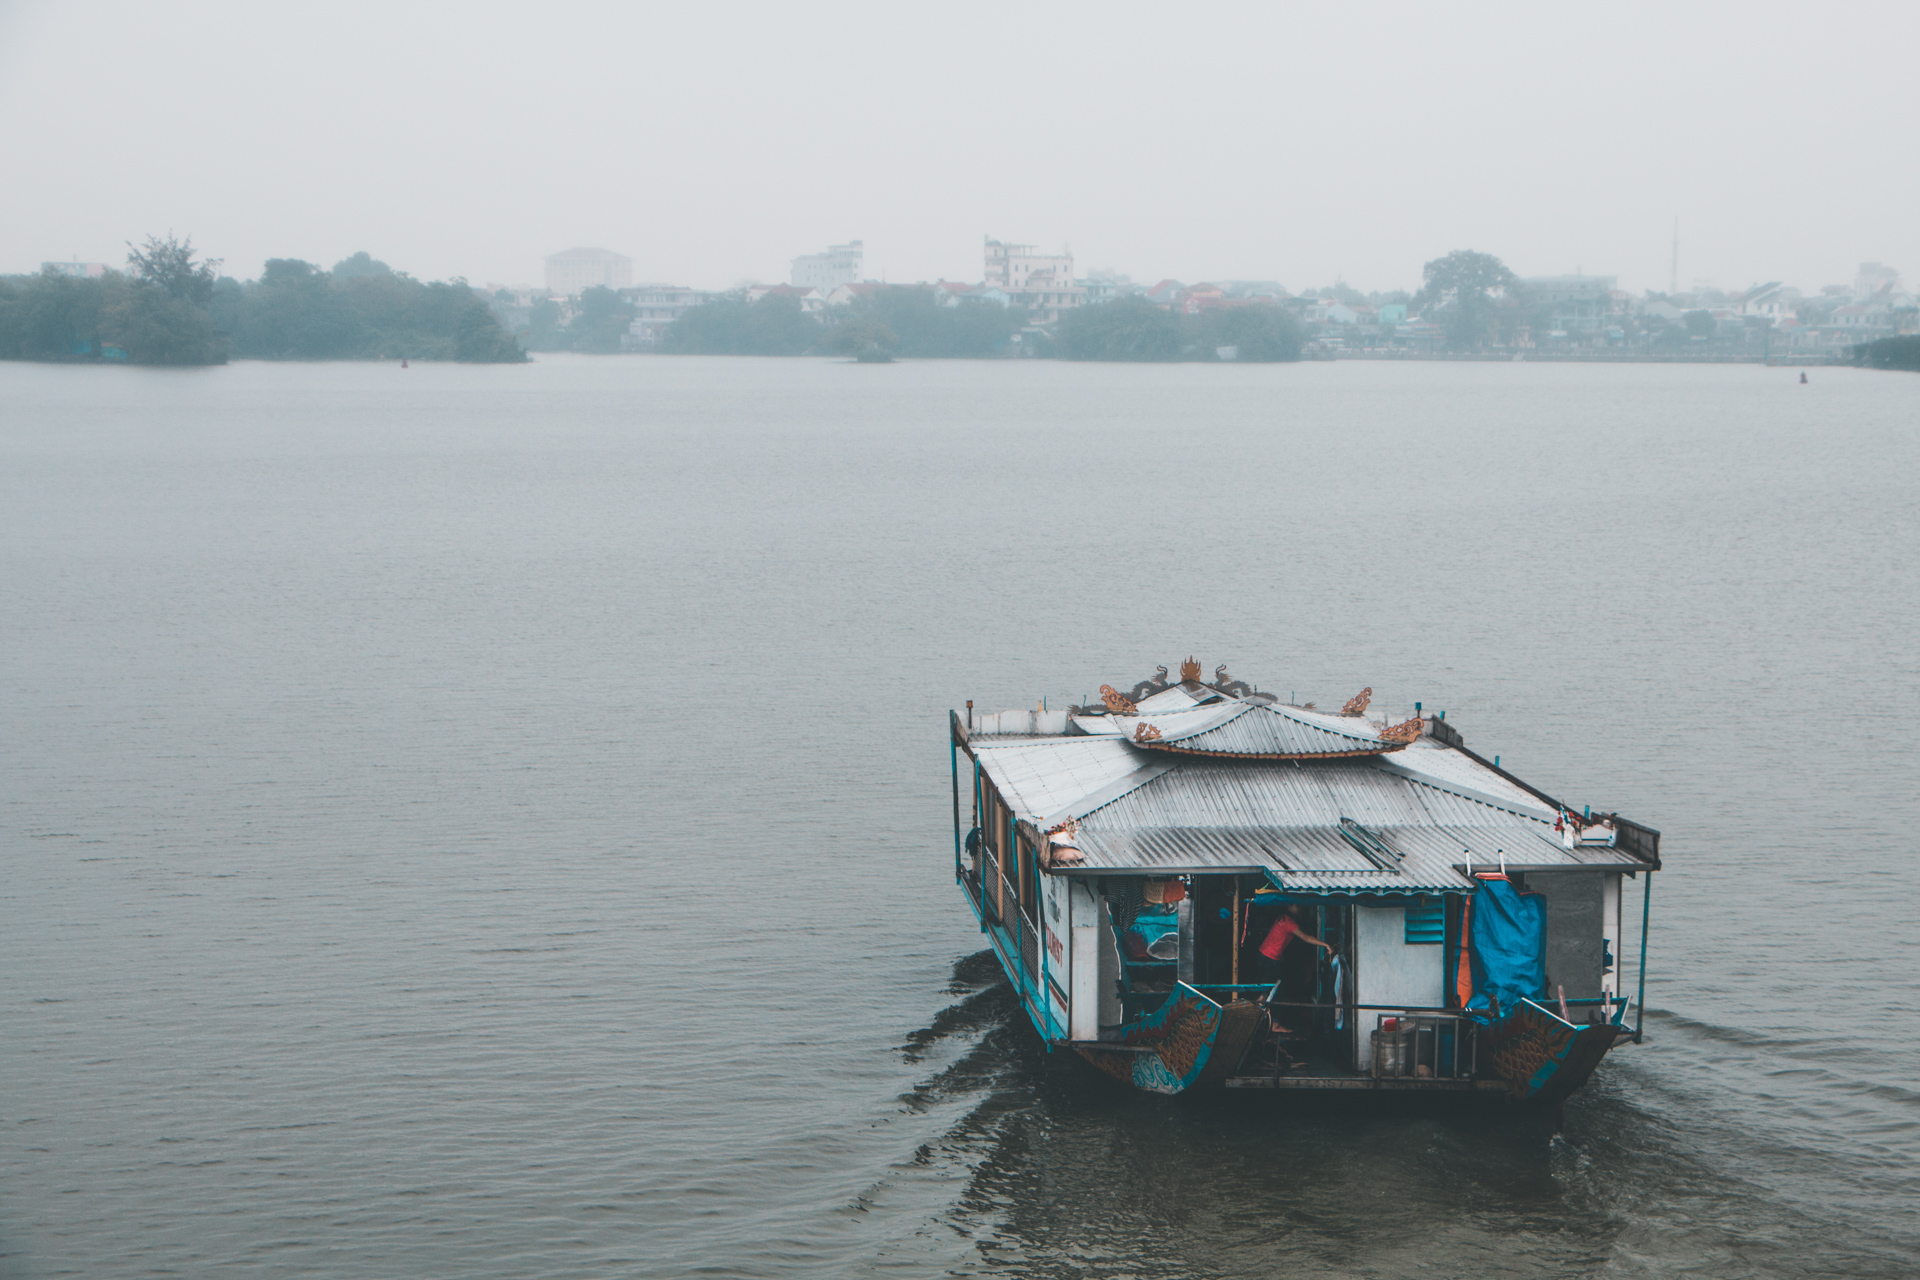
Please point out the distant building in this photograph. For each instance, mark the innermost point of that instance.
(80, 270)
(846, 293)
(1043, 283)
(1166, 292)
(1773, 301)
(1871, 279)
(1576, 304)
(1194, 299)
(1271, 291)
(810, 298)
(655, 306)
(1862, 318)
(840, 264)
(576, 269)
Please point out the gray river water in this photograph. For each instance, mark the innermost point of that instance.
(494, 822)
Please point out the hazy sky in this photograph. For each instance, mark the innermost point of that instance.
(713, 142)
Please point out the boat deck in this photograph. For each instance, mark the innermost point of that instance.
(1400, 1083)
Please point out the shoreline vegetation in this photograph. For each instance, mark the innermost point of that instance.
(168, 308)
(908, 321)
(1902, 353)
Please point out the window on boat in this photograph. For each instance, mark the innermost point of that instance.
(1426, 922)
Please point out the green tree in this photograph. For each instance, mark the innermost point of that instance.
(360, 264)
(1901, 353)
(916, 323)
(733, 326)
(1130, 328)
(477, 335)
(293, 313)
(1260, 333)
(1468, 293)
(61, 317)
(13, 322)
(854, 336)
(155, 326)
(1700, 324)
(168, 264)
(600, 321)
(177, 311)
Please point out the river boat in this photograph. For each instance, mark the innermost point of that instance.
(1442, 925)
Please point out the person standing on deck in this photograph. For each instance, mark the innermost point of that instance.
(1284, 930)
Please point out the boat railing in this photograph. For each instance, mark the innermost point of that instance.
(993, 889)
(1424, 1045)
(989, 886)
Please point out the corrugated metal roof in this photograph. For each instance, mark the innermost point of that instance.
(1316, 858)
(1107, 794)
(1439, 765)
(1036, 778)
(1168, 718)
(1283, 793)
(1173, 699)
(1256, 729)
(1143, 810)
(1237, 727)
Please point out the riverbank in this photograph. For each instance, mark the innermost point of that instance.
(1585, 357)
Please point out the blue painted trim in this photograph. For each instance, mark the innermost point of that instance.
(953, 763)
(1646, 913)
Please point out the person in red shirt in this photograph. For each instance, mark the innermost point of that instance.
(1284, 930)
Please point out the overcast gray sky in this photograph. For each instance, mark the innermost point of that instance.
(713, 142)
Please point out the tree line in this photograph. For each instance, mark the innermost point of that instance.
(1901, 352)
(170, 308)
(910, 320)
(904, 320)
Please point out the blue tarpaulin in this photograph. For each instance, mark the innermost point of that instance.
(1508, 946)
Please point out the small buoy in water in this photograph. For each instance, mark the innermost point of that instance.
(1803, 377)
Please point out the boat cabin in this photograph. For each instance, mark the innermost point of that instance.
(1195, 883)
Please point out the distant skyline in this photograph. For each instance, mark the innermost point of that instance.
(714, 144)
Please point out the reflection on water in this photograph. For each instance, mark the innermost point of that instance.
(1074, 1175)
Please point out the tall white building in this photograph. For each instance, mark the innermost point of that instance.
(1872, 278)
(840, 264)
(1041, 282)
(576, 269)
(656, 307)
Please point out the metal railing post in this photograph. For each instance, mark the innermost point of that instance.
(953, 760)
(1646, 914)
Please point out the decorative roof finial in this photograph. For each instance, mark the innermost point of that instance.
(1190, 671)
(1357, 704)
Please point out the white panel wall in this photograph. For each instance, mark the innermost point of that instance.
(1389, 971)
(1084, 1020)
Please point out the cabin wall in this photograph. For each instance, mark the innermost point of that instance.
(1575, 932)
(1056, 961)
(1083, 972)
(1389, 970)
